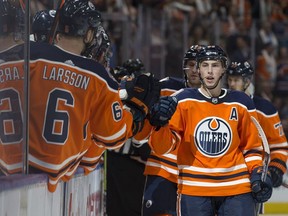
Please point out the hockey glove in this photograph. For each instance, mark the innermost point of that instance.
(261, 190)
(277, 175)
(162, 111)
(139, 92)
(118, 73)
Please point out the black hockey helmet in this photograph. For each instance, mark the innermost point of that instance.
(42, 23)
(243, 69)
(190, 54)
(213, 52)
(134, 65)
(11, 17)
(77, 16)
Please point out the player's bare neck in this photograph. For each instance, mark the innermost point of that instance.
(213, 93)
(70, 44)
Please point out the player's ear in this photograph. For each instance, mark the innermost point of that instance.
(58, 37)
(89, 36)
(247, 83)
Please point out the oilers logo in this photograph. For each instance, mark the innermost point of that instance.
(213, 136)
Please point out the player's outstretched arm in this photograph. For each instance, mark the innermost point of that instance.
(162, 111)
(160, 114)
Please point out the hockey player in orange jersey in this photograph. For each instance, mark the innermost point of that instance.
(73, 100)
(160, 192)
(11, 88)
(125, 166)
(239, 77)
(83, 100)
(219, 151)
(99, 50)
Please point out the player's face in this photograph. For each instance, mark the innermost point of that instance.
(192, 74)
(235, 83)
(211, 71)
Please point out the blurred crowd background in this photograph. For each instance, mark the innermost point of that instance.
(159, 32)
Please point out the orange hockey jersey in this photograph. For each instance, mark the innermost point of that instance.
(218, 144)
(165, 165)
(11, 110)
(270, 122)
(73, 104)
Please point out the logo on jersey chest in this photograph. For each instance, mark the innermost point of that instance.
(213, 136)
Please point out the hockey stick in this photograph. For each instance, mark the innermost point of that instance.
(266, 159)
(55, 23)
